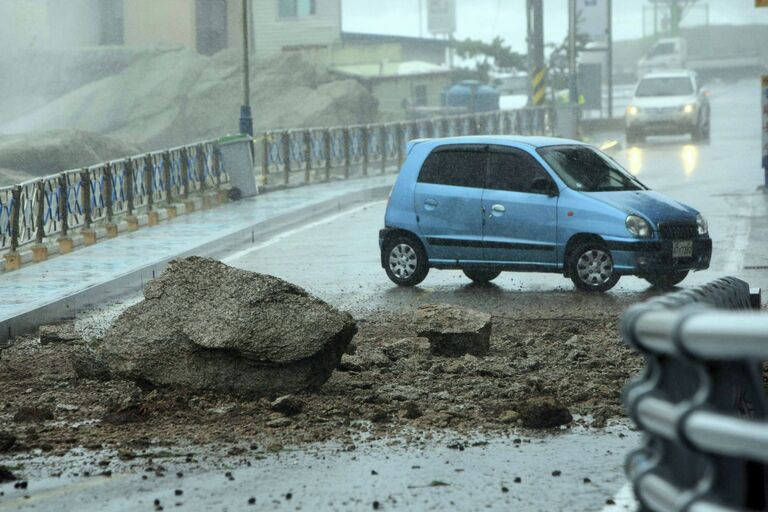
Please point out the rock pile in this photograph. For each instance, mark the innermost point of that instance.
(454, 330)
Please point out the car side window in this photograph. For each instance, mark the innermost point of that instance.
(458, 168)
(514, 171)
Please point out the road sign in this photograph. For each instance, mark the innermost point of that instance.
(592, 16)
(441, 16)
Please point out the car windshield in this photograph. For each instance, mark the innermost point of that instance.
(588, 170)
(662, 49)
(670, 86)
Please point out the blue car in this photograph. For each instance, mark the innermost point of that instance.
(486, 204)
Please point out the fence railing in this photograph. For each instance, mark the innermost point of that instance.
(701, 400)
(55, 205)
(290, 156)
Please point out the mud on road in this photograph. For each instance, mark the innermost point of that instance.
(386, 387)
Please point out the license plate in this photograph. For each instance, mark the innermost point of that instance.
(682, 249)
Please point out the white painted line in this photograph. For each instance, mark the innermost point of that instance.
(741, 232)
(623, 500)
(290, 233)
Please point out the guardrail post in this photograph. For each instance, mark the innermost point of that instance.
(65, 243)
(366, 143)
(39, 250)
(149, 187)
(400, 137)
(13, 258)
(218, 169)
(459, 125)
(328, 156)
(307, 156)
(184, 170)
(133, 222)
(347, 153)
(109, 191)
(383, 147)
(89, 235)
(265, 159)
(201, 177)
(286, 147)
(445, 127)
(170, 209)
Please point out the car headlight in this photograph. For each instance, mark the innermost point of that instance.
(638, 226)
(701, 222)
(632, 110)
(689, 108)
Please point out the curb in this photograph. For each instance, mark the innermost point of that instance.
(132, 282)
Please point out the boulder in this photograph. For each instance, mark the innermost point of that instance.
(543, 412)
(406, 347)
(205, 325)
(59, 333)
(288, 405)
(454, 330)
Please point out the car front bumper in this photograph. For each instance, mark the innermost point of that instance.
(641, 257)
(673, 122)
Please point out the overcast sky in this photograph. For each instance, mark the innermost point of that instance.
(485, 19)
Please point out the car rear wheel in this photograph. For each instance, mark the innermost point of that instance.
(405, 261)
(481, 276)
(666, 279)
(591, 268)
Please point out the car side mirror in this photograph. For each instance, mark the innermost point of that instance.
(543, 186)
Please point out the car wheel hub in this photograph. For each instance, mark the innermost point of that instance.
(595, 267)
(402, 261)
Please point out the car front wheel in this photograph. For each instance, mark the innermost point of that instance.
(666, 279)
(591, 268)
(405, 261)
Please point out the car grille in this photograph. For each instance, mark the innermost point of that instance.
(678, 231)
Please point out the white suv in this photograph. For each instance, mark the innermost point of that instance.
(667, 103)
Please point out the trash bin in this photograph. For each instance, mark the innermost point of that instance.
(237, 159)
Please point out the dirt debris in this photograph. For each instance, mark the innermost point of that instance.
(389, 389)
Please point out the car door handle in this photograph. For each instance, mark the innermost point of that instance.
(498, 208)
(430, 204)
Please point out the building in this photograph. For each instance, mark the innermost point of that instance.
(400, 85)
(205, 25)
(411, 48)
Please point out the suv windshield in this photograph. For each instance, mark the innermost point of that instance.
(672, 86)
(588, 170)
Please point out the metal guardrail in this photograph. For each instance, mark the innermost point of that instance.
(701, 400)
(54, 205)
(318, 154)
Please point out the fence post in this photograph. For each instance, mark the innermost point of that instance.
(133, 222)
(167, 179)
(347, 153)
(328, 156)
(184, 169)
(40, 211)
(221, 195)
(307, 156)
(65, 243)
(265, 159)
(400, 142)
(286, 147)
(383, 147)
(149, 187)
(366, 143)
(200, 160)
(15, 212)
(89, 235)
(109, 191)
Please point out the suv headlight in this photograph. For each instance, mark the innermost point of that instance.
(701, 222)
(638, 226)
(689, 108)
(632, 110)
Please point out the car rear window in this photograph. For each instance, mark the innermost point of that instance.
(455, 167)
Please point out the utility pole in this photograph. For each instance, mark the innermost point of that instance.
(609, 40)
(246, 120)
(537, 71)
(573, 89)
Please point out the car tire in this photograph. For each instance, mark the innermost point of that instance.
(701, 132)
(405, 260)
(481, 275)
(634, 136)
(590, 267)
(665, 280)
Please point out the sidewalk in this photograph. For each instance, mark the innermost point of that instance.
(57, 288)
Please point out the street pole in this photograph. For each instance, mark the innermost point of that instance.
(537, 71)
(246, 120)
(573, 90)
(610, 58)
(764, 91)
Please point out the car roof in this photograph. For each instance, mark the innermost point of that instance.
(503, 140)
(681, 73)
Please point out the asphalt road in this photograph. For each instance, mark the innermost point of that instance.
(337, 259)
